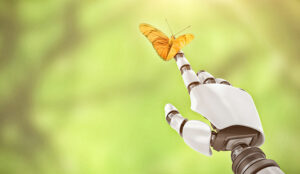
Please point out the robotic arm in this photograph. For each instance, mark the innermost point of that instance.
(233, 117)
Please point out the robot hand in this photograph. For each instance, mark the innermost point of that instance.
(230, 110)
(233, 117)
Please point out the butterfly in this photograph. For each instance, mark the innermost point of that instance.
(165, 47)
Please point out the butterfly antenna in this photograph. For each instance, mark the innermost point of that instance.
(182, 30)
(169, 27)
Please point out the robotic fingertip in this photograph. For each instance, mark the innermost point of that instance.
(168, 108)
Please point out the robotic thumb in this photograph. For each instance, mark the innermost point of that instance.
(195, 133)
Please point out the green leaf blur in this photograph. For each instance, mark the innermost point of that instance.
(82, 91)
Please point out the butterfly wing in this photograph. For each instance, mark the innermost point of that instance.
(158, 39)
(178, 44)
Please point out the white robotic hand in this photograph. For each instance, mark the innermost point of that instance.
(230, 110)
(233, 116)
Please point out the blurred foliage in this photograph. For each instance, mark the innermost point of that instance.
(82, 91)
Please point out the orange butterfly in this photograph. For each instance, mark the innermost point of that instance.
(165, 47)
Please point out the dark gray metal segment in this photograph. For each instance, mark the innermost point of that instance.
(252, 160)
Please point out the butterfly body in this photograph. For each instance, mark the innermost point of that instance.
(165, 47)
(171, 40)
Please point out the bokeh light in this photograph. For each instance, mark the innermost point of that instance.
(83, 91)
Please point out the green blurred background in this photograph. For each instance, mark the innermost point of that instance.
(83, 91)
